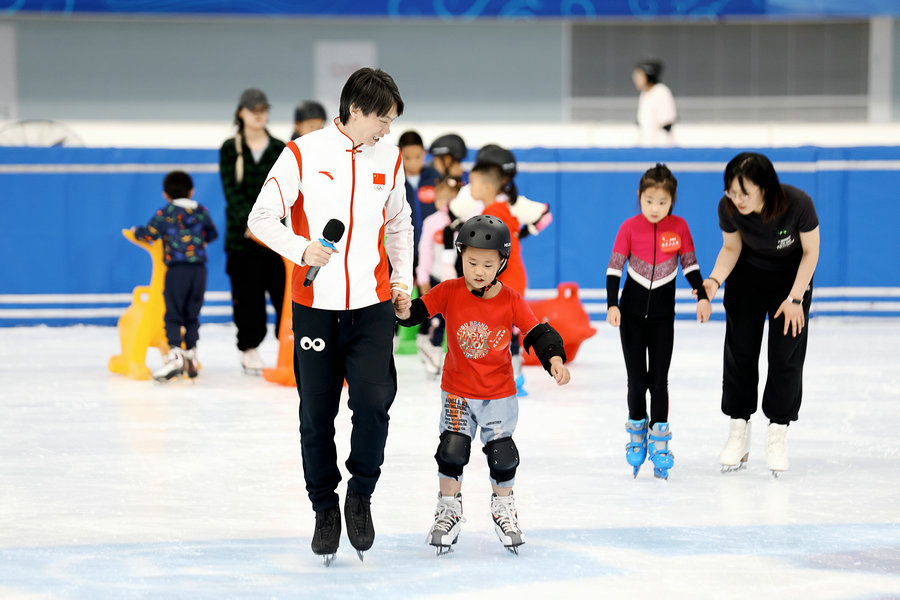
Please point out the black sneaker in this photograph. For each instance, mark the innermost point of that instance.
(358, 514)
(328, 531)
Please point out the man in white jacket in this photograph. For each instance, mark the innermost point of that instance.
(343, 322)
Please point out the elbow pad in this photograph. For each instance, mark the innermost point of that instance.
(546, 343)
(417, 314)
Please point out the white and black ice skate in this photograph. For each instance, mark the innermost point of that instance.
(191, 364)
(776, 449)
(327, 535)
(506, 522)
(174, 365)
(737, 449)
(447, 519)
(358, 514)
(252, 362)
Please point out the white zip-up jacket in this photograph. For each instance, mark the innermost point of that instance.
(321, 176)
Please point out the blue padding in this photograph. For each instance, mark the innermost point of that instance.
(64, 208)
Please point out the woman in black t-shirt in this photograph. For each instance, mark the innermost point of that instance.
(769, 253)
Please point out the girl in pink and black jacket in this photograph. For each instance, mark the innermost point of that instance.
(651, 243)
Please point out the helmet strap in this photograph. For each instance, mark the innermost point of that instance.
(482, 291)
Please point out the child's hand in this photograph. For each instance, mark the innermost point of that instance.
(704, 309)
(401, 302)
(559, 371)
(711, 288)
(613, 316)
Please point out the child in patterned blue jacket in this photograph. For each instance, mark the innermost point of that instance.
(185, 227)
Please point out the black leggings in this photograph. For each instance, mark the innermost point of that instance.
(643, 339)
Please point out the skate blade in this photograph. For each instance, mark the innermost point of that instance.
(254, 372)
(734, 468)
(661, 474)
(362, 558)
(776, 473)
(167, 378)
(514, 549)
(442, 550)
(738, 467)
(329, 558)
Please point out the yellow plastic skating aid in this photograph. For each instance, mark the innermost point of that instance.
(141, 326)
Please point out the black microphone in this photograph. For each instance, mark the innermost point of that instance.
(331, 235)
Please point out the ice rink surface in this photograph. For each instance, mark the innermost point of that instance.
(114, 488)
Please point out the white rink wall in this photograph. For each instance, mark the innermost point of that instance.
(211, 134)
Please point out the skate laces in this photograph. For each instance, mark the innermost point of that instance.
(503, 509)
(358, 511)
(326, 519)
(448, 514)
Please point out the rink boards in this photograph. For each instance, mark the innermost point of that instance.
(67, 262)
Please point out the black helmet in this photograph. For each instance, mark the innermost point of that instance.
(450, 144)
(497, 155)
(309, 110)
(484, 231)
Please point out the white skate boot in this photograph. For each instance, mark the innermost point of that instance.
(174, 365)
(776, 448)
(737, 449)
(432, 356)
(506, 521)
(447, 519)
(252, 362)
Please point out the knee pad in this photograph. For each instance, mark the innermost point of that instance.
(503, 458)
(453, 453)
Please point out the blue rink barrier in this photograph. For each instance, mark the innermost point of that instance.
(65, 260)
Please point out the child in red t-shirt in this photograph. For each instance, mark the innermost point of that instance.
(477, 388)
(486, 183)
(652, 244)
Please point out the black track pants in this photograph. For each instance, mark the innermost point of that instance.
(253, 274)
(647, 346)
(185, 285)
(330, 346)
(752, 296)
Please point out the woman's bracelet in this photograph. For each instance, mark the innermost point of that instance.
(718, 283)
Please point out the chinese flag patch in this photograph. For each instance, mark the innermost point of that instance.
(378, 178)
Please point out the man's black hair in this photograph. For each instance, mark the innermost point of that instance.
(370, 90)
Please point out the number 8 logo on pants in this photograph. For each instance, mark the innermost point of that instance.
(317, 344)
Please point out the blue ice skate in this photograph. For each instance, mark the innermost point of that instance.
(658, 447)
(520, 386)
(636, 449)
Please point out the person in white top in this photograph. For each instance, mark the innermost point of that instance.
(343, 321)
(656, 113)
(437, 263)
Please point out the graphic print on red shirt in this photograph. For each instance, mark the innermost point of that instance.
(478, 364)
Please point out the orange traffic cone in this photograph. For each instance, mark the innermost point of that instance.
(283, 371)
